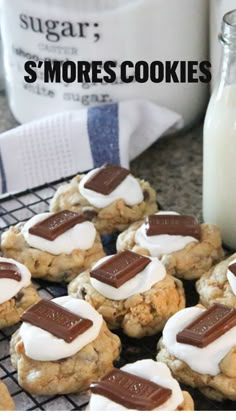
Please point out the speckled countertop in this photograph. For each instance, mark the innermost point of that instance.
(173, 166)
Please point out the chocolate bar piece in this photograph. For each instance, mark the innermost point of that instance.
(57, 320)
(209, 326)
(107, 179)
(232, 268)
(131, 391)
(9, 271)
(55, 225)
(172, 225)
(120, 268)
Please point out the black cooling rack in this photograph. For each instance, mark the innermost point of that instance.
(19, 207)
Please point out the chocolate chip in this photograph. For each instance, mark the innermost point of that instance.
(83, 293)
(146, 195)
(63, 360)
(90, 214)
(18, 298)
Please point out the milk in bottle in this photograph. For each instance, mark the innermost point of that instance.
(219, 169)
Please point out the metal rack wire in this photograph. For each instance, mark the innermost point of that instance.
(17, 208)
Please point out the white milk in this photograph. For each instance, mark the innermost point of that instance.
(219, 203)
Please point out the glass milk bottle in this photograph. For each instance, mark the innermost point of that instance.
(219, 168)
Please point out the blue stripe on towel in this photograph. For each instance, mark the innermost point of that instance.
(3, 176)
(103, 131)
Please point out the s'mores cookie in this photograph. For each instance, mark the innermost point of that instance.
(144, 386)
(61, 347)
(131, 292)
(218, 285)
(54, 246)
(186, 248)
(16, 291)
(111, 196)
(6, 401)
(199, 347)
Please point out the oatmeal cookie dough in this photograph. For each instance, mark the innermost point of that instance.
(219, 385)
(69, 375)
(16, 291)
(49, 365)
(117, 216)
(189, 263)
(6, 402)
(140, 315)
(42, 264)
(11, 311)
(214, 286)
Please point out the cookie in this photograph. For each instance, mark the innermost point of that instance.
(16, 291)
(64, 360)
(218, 284)
(141, 306)
(6, 402)
(59, 259)
(110, 211)
(183, 256)
(212, 368)
(132, 386)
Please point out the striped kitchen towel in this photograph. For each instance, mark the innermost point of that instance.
(76, 141)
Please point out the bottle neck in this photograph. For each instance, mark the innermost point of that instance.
(228, 41)
(228, 66)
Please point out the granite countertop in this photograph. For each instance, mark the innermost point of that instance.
(173, 166)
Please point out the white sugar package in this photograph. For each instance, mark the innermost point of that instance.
(103, 30)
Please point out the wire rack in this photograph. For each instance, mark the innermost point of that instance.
(17, 208)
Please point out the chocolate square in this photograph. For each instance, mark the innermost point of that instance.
(209, 326)
(120, 268)
(172, 225)
(107, 179)
(131, 391)
(56, 224)
(9, 271)
(56, 320)
(232, 268)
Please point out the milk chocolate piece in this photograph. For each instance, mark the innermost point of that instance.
(131, 391)
(209, 326)
(107, 179)
(120, 268)
(55, 225)
(232, 268)
(9, 271)
(172, 225)
(56, 320)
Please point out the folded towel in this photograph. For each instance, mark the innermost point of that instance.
(76, 141)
